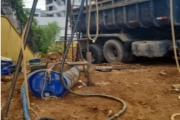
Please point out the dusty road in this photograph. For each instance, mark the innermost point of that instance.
(148, 93)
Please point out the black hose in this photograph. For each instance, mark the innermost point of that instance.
(86, 95)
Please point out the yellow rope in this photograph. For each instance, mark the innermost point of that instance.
(175, 115)
(24, 65)
(97, 21)
(173, 34)
(174, 46)
(25, 71)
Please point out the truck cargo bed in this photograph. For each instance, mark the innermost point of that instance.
(131, 14)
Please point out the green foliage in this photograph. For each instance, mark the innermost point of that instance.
(22, 15)
(44, 36)
(56, 47)
(40, 37)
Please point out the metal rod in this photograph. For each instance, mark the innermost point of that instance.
(66, 24)
(77, 63)
(72, 52)
(79, 37)
(79, 45)
(80, 50)
(6, 109)
(70, 17)
(86, 17)
(87, 42)
(89, 80)
(82, 39)
(77, 51)
(74, 63)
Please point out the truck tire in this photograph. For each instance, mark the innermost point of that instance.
(96, 52)
(128, 51)
(132, 58)
(114, 51)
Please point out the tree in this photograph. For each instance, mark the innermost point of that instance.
(21, 14)
(44, 36)
(40, 37)
(56, 47)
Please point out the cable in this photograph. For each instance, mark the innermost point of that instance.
(174, 46)
(25, 74)
(175, 115)
(97, 21)
(87, 95)
(47, 74)
(24, 66)
(173, 34)
(78, 36)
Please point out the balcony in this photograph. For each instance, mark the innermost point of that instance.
(49, 2)
(53, 11)
(54, 4)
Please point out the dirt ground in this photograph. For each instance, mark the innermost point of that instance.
(146, 88)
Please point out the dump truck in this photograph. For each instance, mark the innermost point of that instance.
(130, 29)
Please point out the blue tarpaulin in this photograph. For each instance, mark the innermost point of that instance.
(7, 66)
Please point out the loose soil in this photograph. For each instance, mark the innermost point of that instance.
(148, 93)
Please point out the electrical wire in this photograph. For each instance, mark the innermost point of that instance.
(87, 95)
(97, 21)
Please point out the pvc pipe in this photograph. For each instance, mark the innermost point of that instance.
(25, 104)
(72, 76)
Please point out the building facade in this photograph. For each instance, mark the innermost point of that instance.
(58, 7)
(57, 10)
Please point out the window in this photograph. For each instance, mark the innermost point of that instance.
(51, 8)
(49, 1)
(50, 15)
(36, 15)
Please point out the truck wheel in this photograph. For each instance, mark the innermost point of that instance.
(128, 51)
(132, 58)
(96, 52)
(114, 51)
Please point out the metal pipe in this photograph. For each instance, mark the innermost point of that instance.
(71, 63)
(87, 42)
(88, 54)
(82, 39)
(86, 16)
(79, 45)
(80, 51)
(77, 63)
(6, 109)
(89, 80)
(77, 52)
(72, 76)
(66, 24)
(71, 18)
